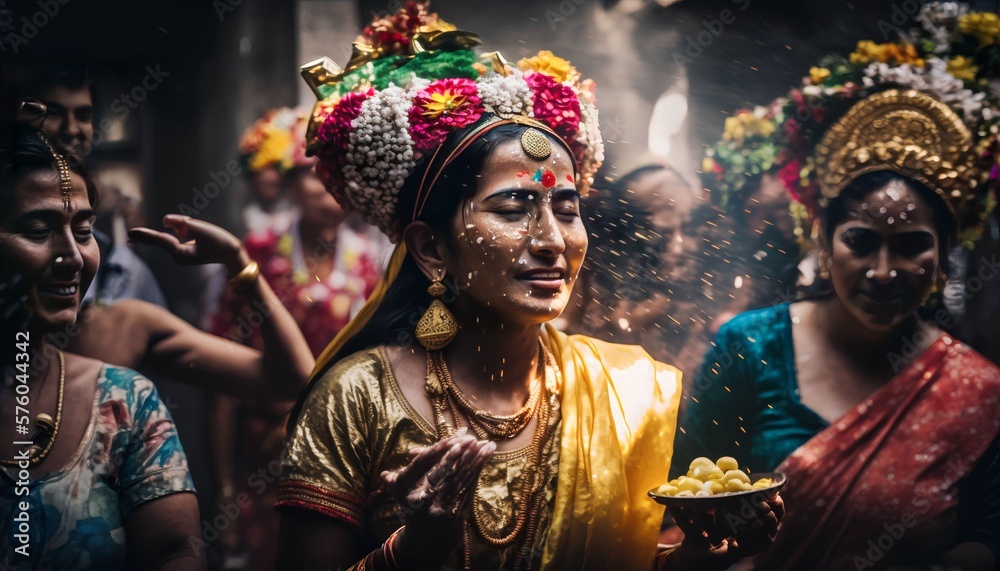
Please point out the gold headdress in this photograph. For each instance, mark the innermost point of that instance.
(907, 132)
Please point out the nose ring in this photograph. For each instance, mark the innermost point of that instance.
(870, 274)
(59, 259)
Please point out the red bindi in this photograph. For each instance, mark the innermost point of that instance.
(548, 179)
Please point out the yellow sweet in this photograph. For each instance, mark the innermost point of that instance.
(691, 484)
(700, 461)
(706, 478)
(735, 485)
(714, 487)
(727, 463)
(705, 473)
(736, 475)
(667, 490)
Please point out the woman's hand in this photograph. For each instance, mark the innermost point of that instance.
(204, 243)
(435, 491)
(720, 539)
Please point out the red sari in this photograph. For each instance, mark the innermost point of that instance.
(879, 486)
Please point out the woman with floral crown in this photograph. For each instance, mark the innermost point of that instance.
(887, 427)
(265, 158)
(456, 429)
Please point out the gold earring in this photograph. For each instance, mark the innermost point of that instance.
(437, 327)
(824, 269)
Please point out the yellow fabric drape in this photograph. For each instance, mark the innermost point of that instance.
(619, 414)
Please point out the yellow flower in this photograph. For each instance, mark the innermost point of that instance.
(746, 124)
(868, 51)
(818, 75)
(707, 164)
(984, 26)
(285, 244)
(273, 150)
(551, 65)
(865, 52)
(440, 102)
(963, 68)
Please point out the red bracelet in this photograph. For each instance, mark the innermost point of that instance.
(388, 554)
(389, 551)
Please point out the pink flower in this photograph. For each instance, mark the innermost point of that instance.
(555, 104)
(278, 268)
(440, 108)
(261, 245)
(335, 132)
(789, 175)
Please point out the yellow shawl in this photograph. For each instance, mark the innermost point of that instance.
(619, 413)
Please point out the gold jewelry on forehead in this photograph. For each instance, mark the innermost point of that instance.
(62, 166)
(907, 132)
(438, 162)
(535, 144)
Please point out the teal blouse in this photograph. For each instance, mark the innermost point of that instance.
(744, 401)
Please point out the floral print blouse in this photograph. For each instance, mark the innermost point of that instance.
(130, 454)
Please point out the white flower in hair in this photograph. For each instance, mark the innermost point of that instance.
(507, 95)
(934, 80)
(380, 157)
(938, 20)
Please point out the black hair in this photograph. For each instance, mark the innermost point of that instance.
(406, 299)
(32, 82)
(838, 208)
(24, 150)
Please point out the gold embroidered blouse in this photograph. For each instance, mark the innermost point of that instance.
(617, 413)
(355, 424)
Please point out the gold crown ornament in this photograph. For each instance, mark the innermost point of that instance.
(907, 132)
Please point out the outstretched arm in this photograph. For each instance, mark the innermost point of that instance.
(187, 353)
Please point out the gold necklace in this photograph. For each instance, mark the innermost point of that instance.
(486, 424)
(533, 477)
(45, 424)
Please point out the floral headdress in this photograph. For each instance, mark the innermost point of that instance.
(954, 57)
(276, 140)
(413, 80)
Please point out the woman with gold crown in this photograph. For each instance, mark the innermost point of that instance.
(886, 426)
(495, 442)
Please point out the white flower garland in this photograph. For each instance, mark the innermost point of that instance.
(590, 137)
(508, 95)
(933, 80)
(380, 157)
(938, 19)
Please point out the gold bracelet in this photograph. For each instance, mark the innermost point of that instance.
(242, 281)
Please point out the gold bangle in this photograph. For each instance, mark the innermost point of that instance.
(242, 281)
